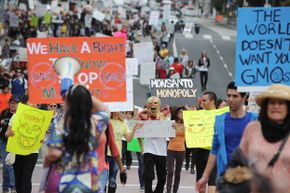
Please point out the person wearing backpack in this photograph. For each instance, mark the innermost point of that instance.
(75, 140)
(8, 172)
(19, 84)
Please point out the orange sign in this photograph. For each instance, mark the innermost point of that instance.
(102, 61)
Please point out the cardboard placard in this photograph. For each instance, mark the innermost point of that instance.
(262, 48)
(102, 62)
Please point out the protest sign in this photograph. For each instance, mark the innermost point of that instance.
(153, 128)
(31, 4)
(40, 10)
(119, 2)
(132, 66)
(65, 6)
(144, 52)
(128, 105)
(54, 3)
(154, 18)
(29, 127)
(108, 3)
(98, 15)
(147, 72)
(22, 54)
(22, 6)
(102, 62)
(166, 12)
(42, 34)
(121, 12)
(263, 48)
(133, 145)
(199, 127)
(252, 105)
(13, 20)
(168, 90)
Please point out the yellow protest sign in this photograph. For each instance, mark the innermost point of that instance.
(29, 126)
(199, 127)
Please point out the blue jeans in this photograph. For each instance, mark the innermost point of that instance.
(103, 181)
(140, 168)
(113, 171)
(8, 172)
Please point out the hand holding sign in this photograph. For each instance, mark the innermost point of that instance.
(138, 126)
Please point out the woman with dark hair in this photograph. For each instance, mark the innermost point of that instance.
(265, 142)
(74, 139)
(24, 164)
(175, 151)
(203, 65)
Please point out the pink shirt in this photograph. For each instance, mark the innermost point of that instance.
(259, 153)
(102, 165)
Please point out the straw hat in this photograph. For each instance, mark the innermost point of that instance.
(276, 91)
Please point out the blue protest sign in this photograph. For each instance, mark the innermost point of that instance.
(263, 47)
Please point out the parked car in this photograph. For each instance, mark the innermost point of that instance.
(189, 11)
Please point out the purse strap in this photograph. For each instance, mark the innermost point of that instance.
(277, 155)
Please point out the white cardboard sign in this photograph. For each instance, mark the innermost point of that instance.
(132, 66)
(124, 106)
(153, 128)
(144, 52)
(98, 15)
(147, 72)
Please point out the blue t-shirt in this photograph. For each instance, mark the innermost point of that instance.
(234, 128)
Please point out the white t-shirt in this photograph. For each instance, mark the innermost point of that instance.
(155, 145)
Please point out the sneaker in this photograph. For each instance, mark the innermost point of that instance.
(128, 167)
(186, 167)
(142, 189)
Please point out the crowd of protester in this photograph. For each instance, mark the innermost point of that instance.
(249, 152)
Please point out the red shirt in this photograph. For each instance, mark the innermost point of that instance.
(102, 164)
(178, 68)
(4, 101)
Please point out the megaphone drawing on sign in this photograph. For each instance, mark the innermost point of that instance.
(66, 67)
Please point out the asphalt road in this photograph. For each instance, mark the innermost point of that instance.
(187, 182)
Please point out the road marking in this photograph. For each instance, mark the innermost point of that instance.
(174, 48)
(221, 58)
(226, 37)
(206, 36)
(188, 35)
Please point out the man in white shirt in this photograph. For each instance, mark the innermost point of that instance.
(155, 149)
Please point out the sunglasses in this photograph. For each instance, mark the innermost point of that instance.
(52, 106)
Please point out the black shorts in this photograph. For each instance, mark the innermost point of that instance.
(201, 161)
